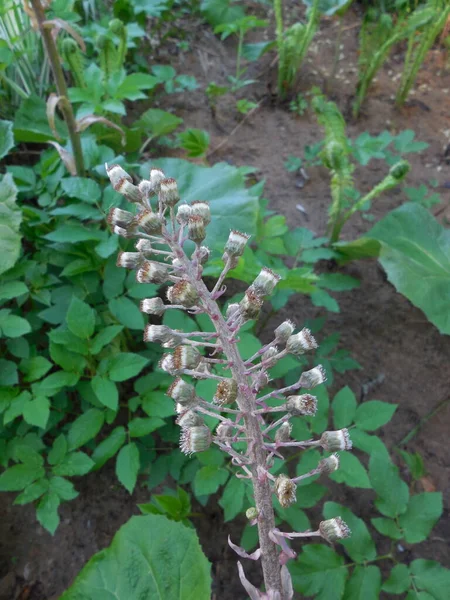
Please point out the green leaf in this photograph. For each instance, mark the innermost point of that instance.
(319, 572)
(108, 447)
(392, 491)
(73, 233)
(387, 527)
(398, 581)
(18, 477)
(80, 318)
(6, 137)
(415, 247)
(106, 391)
(127, 466)
(31, 122)
(338, 282)
(63, 488)
(12, 326)
(431, 577)
(85, 428)
(12, 289)
(364, 584)
(139, 427)
(125, 365)
(132, 85)
(232, 204)
(344, 408)
(157, 122)
(54, 383)
(208, 480)
(359, 546)
(37, 411)
(47, 511)
(76, 463)
(374, 414)
(423, 512)
(232, 499)
(104, 337)
(351, 472)
(126, 312)
(8, 373)
(35, 368)
(32, 492)
(82, 188)
(58, 451)
(150, 557)
(10, 219)
(195, 141)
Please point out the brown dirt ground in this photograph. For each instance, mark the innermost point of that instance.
(386, 334)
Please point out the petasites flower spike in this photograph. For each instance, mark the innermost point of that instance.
(162, 225)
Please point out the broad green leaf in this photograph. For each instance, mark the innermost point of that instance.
(18, 477)
(139, 427)
(126, 312)
(361, 248)
(127, 466)
(374, 414)
(31, 122)
(217, 12)
(53, 383)
(10, 219)
(398, 581)
(85, 427)
(309, 495)
(338, 282)
(344, 408)
(13, 326)
(364, 584)
(387, 527)
(232, 204)
(157, 122)
(108, 447)
(63, 487)
(71, 233)
(104, 337)
(37, 411)
(415, 247)
(72, 342)
(359, 546)
(232, 499)
(319, 572)
(157, 404)
(208, 480)
(32, 492)
(12, 289)
(351, 472)
(58, 451)
(82, 188)
(75, 463)
(195, 141)
(294, 516)
(80, 318)
(150, 557)
(423, 512)
(106, 391)
(47, 511)
(431, 577)
(8, 373)
(6, 137)
(34, 368)
(125, 365)
(392, 491)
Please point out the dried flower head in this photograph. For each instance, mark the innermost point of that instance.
(129, 260)
(123, 183)
(152, 272)
(195, 439)
(305, 404)
(333, 441)
(283, 433)
(226, 392)
(158, 333)
(189, 418)
(149, 222)
(168, 192)
(250, 305)
(196, 229)
(183, 213)
(153, 306)
(120, 217)
(269, 357)
(259, 380)
(334, 530)
(329, 464)
(301, 342)
(182, 392)
(284, 489)
(166, 364)
(236, 243)
(156, 177)
(313, 377)
(265, 283)
(183, 293)
(201, 209)
(284, 331)
(144, 246)
(186, 357)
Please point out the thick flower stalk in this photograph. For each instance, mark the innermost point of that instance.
(244, 405)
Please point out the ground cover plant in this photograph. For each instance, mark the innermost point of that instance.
(85, 416)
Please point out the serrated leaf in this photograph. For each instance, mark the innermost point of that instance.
(387, 527)
(47, 511)
(344, 408)
(85, 427)
(106, 391)
(431, 577)
(18, 477)
(35, 368)
(359, 546)
(150, 557)
(37, 411)
(422, 513)
(32, 492)
(319, 572)
(108, 447)
(208, 479)
(364, 584)
(76, 463)
(374, 414)
(63, 488)
(232, 499)
(80, 318)
(127, 466)
(125, 365)
(392, 491)
(398, 581)
(82, 188)
(104, 337)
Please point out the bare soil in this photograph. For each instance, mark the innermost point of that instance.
(382, 329)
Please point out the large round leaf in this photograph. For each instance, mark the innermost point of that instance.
(150, 557)
(233, 206)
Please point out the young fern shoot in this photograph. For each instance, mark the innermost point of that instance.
(246, 411)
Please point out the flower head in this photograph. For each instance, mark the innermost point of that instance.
(334, 530)
(333, 441)
(301, 342)
(305, 404)
(285, 490)
(195, 439)
(313, 377)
